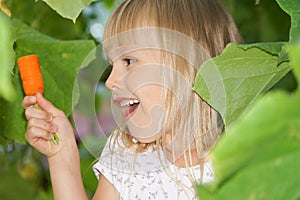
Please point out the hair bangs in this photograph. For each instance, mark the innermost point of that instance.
(129, 16)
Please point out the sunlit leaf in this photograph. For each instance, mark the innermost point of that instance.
(233, 81)
(259, 157)
(292, 7)
(294, 54)
(68, 8)
(273, 48)
(7, 59)
(4, 9)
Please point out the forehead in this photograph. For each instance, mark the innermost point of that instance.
(141, 39)
(162, 39)
(133, 38)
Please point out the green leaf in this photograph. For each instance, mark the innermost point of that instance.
(69, 9)
(273, 48)
(294, 55)
(260, 156)
(109, 3)
(233, 81)
(60, 62)
(292, 8)
(56, 26)
(7, 59)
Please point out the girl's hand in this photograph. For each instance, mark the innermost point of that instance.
(44, 121)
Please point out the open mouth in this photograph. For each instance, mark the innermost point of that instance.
(128, 106)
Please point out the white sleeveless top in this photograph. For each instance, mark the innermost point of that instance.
(144, 176)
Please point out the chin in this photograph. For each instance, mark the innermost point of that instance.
(143, 135)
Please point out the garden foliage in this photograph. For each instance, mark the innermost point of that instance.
(259, 153)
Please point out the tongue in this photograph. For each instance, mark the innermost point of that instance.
(132, 108)
(129, 110)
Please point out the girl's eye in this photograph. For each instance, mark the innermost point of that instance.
(129, 61)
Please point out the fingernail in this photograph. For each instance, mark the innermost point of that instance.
(49, 118)
(32, 99)
(53, 128)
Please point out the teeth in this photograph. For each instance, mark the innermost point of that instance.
(125, 103)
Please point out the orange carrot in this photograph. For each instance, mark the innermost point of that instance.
(31, 76)
(32, 80)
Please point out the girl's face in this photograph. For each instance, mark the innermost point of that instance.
(137, 89)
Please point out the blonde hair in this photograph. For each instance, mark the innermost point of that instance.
(208, 25)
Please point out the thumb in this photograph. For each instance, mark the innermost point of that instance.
(47, 105)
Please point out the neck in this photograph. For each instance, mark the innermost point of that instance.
(187, 158)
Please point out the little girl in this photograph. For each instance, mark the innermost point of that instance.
(160, 149)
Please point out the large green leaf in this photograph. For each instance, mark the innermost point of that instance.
(292, 7)
(7, 59)
(60, 62)
(260, 156)
(68, 8)
(294, 54)
(273, 48)
(56, 26)
(232, 82)
(293, 48)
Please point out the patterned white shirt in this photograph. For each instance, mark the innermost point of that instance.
(144, 175)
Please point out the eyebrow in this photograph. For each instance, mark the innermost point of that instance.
(120, 51)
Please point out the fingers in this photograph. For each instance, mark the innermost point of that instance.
(47, 106)
(41, 124)
(28, 101)
(46, 112)
(38, 129)
(32, 112)
(33, 133)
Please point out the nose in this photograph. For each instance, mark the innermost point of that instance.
(113, 79)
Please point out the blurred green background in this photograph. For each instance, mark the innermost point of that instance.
(24, 172)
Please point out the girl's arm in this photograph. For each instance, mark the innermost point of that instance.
(66, 176)
(105, 190)
(63, 158)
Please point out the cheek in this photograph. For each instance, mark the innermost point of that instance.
(145, 84)
(143, 76)
(149, 117)
(145, 126)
